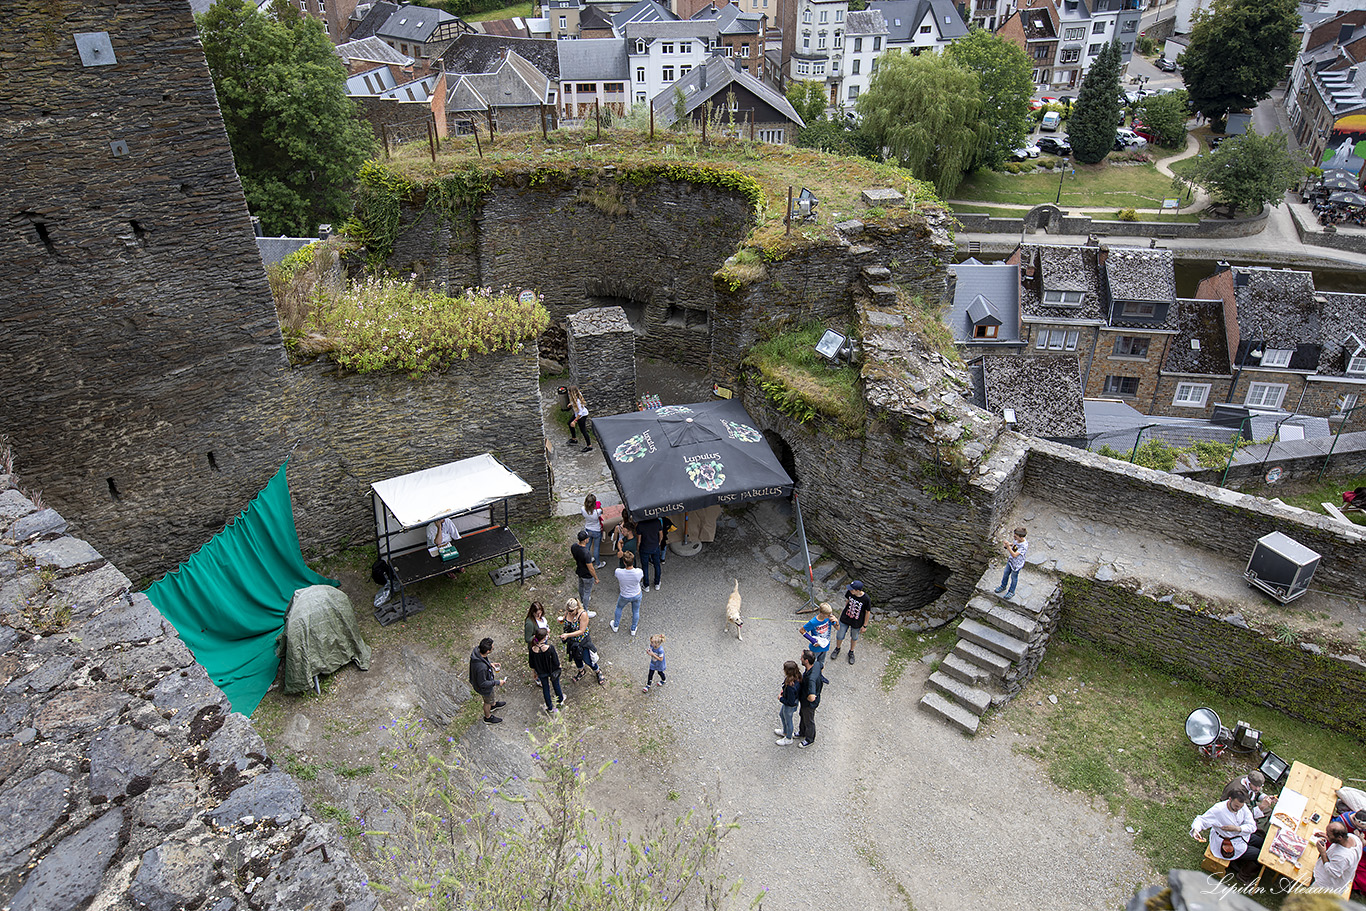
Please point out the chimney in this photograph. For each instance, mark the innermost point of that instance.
(256, 225)
(1220, 267)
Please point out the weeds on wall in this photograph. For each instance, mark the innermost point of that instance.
(795, 379)
(456, 839)
(1163, 456)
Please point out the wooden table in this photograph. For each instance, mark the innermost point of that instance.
(1320, 789)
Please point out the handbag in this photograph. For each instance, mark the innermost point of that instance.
(449, 553)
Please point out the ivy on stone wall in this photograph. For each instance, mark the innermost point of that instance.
(454, 198)
(720, 178)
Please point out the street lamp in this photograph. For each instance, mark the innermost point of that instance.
(1062, 172)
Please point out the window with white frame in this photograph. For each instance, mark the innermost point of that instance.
(806, 41)
(1098, 28)
(1065, 298)
(1069, 54)
(668, 74)
(1346, 402)
(858, 45)
(1265, 395)
(640, 45)
(685, 47)
(744, 50)
(853, 89)
(806, 16)
(820, 41)
(640, 74)
(1356, 364)
(773, 136)
(839, 39)
(1277, 357)
(1191, 395)
(640, 96)
(1058, 339)
(564, 22)
(825, 16)
(666, 47)
(818, 69)
(839, 15)
(803, 69)
(877, 44)
(683, 71)
(1074, 34)
(1131, 346)
(853, 71)
(1138, 308)
(925, 29)
(1121, 385)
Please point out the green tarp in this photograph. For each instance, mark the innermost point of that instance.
(228, 601)
(321, 635)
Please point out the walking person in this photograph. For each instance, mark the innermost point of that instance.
(809, 696)
(578, 643)
(592, 523)
(1015, 559)
(535, 622)
(624, 541)
(788, 696)
(857, 604)
(817, 631)
(583, 567)
(484, 679)
(580, 421)
(651, 549)
(656, 651)
(628, 581)
(545, 663)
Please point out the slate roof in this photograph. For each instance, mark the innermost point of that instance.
(1060, 268)
(642, 11)
(372, 50)
(516, 83)
(731, 21)
(1044, 391)
(998, 286)
(1121, 426)
(596, 60)
(865, 22)
(375, 16)
(1276, 307)
(1139, 274)
(594, 18)
(904, 18)
(1200, 321)
(716, 74)
(485, 53)
(1344, 330)
(371, 82)
(417, 90)
(676, 29)
(275, 249)
(505, 28)
(413, 23)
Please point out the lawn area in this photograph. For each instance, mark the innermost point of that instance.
(1117, 733)
(1130, 186)
(998, 211)
(524, 10)
(1311, 494)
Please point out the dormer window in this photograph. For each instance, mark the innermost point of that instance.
(1356, 356)
(1138, 308)
(985, 331)
(1277, 357)
(640, 46)
(1064, 298)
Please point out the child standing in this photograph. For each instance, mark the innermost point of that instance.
(817, 631)
(787, 701)
(1015, 560)
(656, 651)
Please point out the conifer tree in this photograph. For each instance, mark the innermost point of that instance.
(1091, 129)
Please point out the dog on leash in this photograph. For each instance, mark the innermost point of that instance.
(733, 613)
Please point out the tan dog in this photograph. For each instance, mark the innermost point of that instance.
(733, 613)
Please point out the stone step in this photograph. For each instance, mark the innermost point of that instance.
(961, 669)
(1032, 594)
(951, 712)
(991, 638)
(1012, 622)
(969, 697)
(990, 662)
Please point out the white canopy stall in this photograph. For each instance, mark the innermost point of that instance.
(467, 492)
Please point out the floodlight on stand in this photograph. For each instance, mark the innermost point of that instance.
(806, 204)
(1273, 767)
(1009, 415)
(1246, 737)
(1202, 726)
(833, 346)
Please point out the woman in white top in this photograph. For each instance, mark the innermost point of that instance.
(580, 421)
(592, 523)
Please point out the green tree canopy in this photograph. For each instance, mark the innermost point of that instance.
(1238, 51)
(1249, 171)
(834, 136)
(1166, 116)
(1007, 83)
(1091, 128)
(295, 136)
(809, 100)
(924, 113)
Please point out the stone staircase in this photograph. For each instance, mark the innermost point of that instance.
(1000, 644)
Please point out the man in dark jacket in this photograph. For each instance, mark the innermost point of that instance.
(484, 679)
(810, 697)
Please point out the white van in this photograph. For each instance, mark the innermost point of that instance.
(1051, 120)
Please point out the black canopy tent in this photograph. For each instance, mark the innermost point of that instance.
(680, 458)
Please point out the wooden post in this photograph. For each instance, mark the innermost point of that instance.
(705, 118)
(544, 137)
(477, 145)
(597, 114)
(751, 126)
(436, 131)
(652, 121)
(490, 114)
(431, 139)
(384, 134)
(788, 220)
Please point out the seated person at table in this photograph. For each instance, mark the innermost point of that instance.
(439, 534)
(1339, 854)
(1356, 824)
(1230, 825)
(1260, 803)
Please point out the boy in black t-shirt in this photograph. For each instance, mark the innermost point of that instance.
(857, 604)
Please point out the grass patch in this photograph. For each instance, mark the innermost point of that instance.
(997, 211)
(1311, 495)
(1133, 186)
(907, 646)
(1116, 734)
(523, 10)
(795, 379)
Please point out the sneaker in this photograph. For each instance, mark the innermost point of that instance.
(804, 743)
(646, 689)
(778, 731)
(573, 441)
(784, 741)
(662, 682)
(851, 657)
(499, 704)
(493, 719)
(549, 711)
(998, 590)
(836, 652)
(659, 586)
(633, 632)
(591, 614)
(646, 588)
(601, 564)
(587, 449)
(1009, 595)
(613, 624)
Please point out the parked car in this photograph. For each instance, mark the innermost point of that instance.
(1165, 65)
(1055, 145)
(1051, 121)
(1145, 131)
(1128, 139)
(1024, 152)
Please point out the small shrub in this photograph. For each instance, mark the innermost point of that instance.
(1127, 215)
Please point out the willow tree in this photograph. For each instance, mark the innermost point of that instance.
(924, 114)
